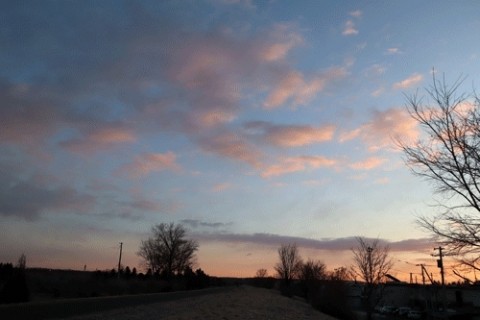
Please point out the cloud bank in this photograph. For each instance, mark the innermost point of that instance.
(338, 244)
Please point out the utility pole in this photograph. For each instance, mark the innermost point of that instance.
(425, 272)
(440, 263)
(120, 259)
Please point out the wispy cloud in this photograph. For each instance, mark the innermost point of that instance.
(393, 50)
(196, 223)
(297, 164)
(375, 70)
(282, 39)
(349, 29)
(232, 146)
(383, 128)
(294, 89)
(378, 92)
(290, 135)
(409, 82)
(368, 164)
(144, 164)
(100, 139)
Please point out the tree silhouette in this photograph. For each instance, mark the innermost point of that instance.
(168, 251)
(311, 273)
(261, 273)
(288, 267)
(449, 156)
(371, 264)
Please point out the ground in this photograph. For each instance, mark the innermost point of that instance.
(242, 302)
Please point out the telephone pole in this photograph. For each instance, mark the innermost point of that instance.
(440, 263)
(120, 259)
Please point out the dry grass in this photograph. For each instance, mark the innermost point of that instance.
(244, 302)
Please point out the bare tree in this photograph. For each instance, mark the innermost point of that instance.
(371, 264)
(290, 263)
(339, 274)
(261, 273)
(168, 251)
(449, 156)
(22, 262)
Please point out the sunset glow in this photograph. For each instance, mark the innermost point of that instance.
(252, 123)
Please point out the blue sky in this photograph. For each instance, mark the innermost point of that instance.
(251, 123)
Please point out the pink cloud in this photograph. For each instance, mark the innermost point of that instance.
(393, 50)
(368, 164)
(295, 136)
(283, 40)
(411, 81)
(144, 164)
(232, 146)
(295, 89)
(291, 87)
(383, 128)
(349, 29)
(296, 164)
(100, 140)
(215, 117)
(112, 135)
(378, 92)
(291, 135)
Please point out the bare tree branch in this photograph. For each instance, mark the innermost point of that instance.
(290, 263)
(448, 155)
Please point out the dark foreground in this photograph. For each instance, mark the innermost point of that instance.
(59, 309)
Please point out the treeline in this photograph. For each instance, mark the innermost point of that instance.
(19, 284)
(13, 282)
(188, 279)
(48, 284)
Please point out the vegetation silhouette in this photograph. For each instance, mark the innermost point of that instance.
(288, 268)
(325, 291)
(448, 155)
(371, 262)
(168, 251)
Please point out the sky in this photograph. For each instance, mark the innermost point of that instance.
(251, 123)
